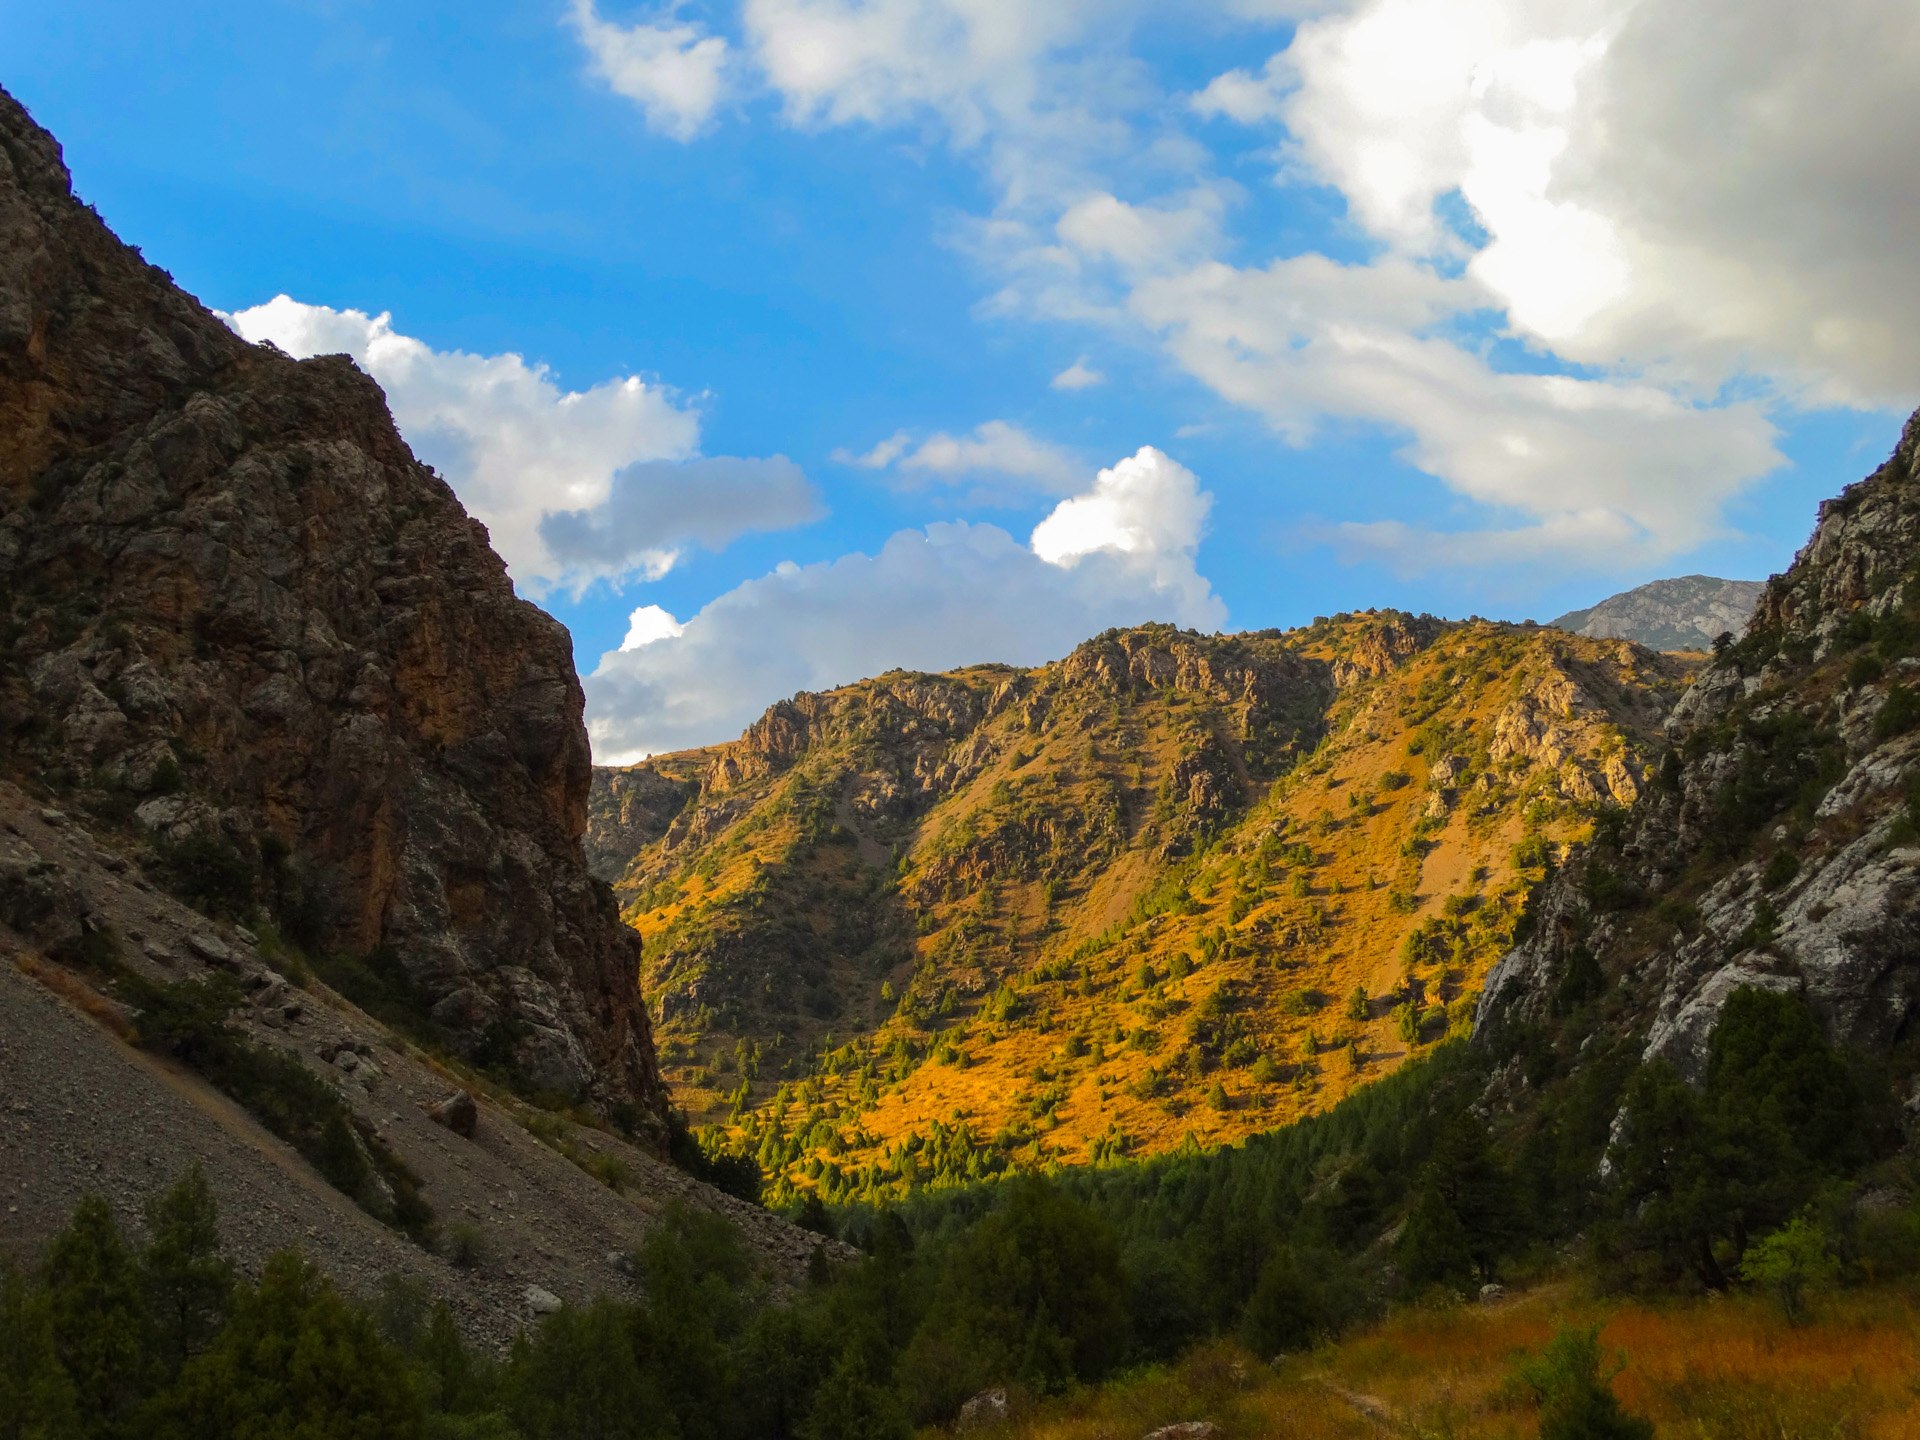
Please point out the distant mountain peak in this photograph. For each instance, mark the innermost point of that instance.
(1684, 613)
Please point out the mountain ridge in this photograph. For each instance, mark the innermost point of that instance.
(1685, 612)
(859, 914)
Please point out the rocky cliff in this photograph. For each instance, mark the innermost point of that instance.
(1687, 613)
(1781, 847)
(241, 618)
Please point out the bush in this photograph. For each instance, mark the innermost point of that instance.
(211, 873)
(1576, 1400)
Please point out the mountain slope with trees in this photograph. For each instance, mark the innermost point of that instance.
(1172, 889)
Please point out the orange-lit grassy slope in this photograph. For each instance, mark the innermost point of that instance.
(1724, 1370)
(1171, 886)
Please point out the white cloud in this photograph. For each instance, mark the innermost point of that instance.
(657, 505)
(674, 71)
(650, 623)
(1583, 464)
(1146, 239)
(572, 485)
(1244, 96)
(995, 451)
(1705, 190)
(881, 455)
(932, 599)
(1078, 376)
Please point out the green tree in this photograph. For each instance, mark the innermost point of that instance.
(1034, 1293)
(99, 1319)
(1576, 1400)
(1789, 1262)
(36, 1397)
(852, 1405)
(1358, 1007)
(295, 1362)
(188, 1283)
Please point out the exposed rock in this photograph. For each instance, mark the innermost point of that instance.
(458, 1113)
(234, 593)
(1491, 1294)
(1782, 837)
(989, 1407)
(541, 1302)
(212, 949)
(1185, 1430)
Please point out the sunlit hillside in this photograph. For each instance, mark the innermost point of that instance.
(1172, 888)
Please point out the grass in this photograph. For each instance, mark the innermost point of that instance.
(1728, 1369)
(77, 993)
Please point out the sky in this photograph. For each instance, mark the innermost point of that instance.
(784, 342)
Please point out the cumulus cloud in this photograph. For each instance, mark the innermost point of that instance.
(934, 598)
(995, 453)
(1588, 464)
(649, 623)
(675, 72)
(1702, 191)
(573, 485)
(1078, 376)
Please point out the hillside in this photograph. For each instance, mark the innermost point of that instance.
(1171, 886)
(1687, 613)
(240, 620)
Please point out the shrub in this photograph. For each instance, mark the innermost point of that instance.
(465, 1245)
(1576, 1400)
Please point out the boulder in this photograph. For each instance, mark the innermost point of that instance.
(457, 1112)
(541, 1301)
(989, 1407)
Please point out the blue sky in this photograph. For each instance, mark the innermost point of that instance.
(802, 315)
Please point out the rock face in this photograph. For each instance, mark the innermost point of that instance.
(1687, 613)
(1781, 846)
(242, 616)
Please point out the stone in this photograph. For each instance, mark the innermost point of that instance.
(213, 950)
(989, 1407)
(1185, 1430)
(1491, 1293)
(457, 1112)
(541, 1301)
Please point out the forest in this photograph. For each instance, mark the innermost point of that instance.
(1042, 1283)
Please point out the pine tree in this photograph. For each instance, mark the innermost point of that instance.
(36, 1397)
(99, 1319)
(187, 1282)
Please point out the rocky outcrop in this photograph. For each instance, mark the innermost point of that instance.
(1687, 613)
(1780, 847)
(628, 810)
(243, 617)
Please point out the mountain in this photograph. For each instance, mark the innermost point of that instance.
(1688, 613)
(241, 619)
(292, 793)
(939, 924)
(1781, 848)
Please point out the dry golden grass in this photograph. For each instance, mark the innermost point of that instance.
(1728, 1369)
(77, 993)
